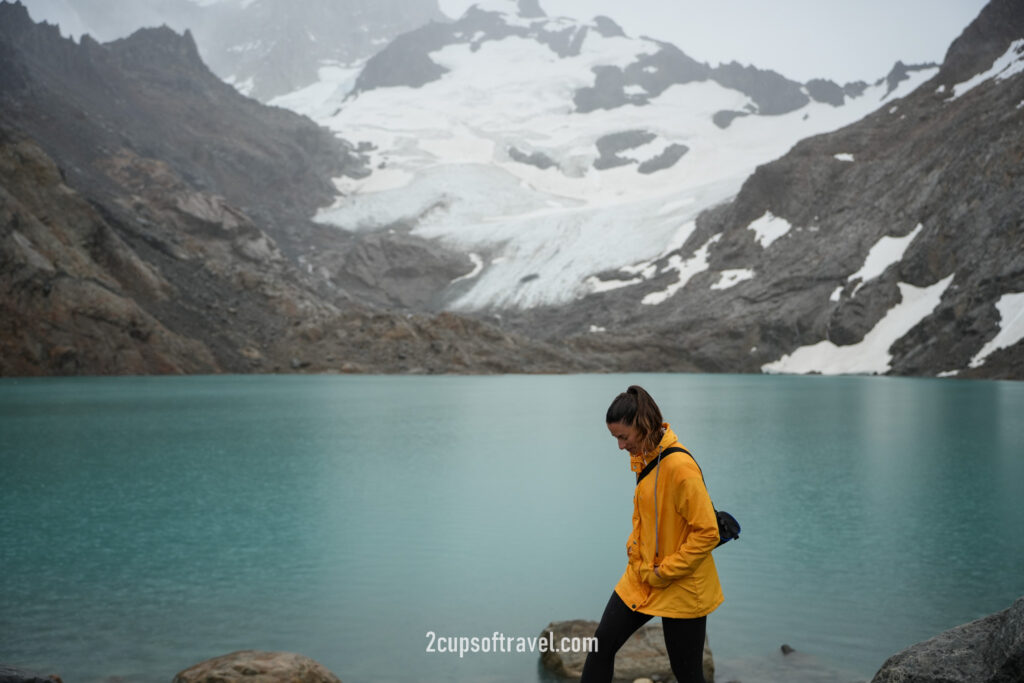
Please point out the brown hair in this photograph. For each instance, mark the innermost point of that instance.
(636, 408)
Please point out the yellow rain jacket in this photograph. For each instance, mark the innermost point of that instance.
(688, 531)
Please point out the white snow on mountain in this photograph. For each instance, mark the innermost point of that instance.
(769, 228)
(443, 160)
(1011, 62)
(732, 277)
(698, 263)
(885, 252)
(871, 355)
(1011, 327)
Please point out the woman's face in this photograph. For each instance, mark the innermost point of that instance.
(626, 435)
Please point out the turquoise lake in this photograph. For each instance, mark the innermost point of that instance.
(151, 523)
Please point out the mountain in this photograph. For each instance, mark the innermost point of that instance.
(269, 48)
(655, 213)
(154, 220)
(892, 245)
(266, 48)
(545, 147)
(509, 192)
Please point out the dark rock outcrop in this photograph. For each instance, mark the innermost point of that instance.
(266, 667)
(666, 159)
(538, 159)
(610, 147)
(989, 650)
(772, 92)
(643, 655)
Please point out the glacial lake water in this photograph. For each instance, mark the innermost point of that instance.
(151, 523)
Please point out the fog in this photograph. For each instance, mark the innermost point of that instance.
(801, 39)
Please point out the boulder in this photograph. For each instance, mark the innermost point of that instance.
(988, 650)
(256, 666)
(643, 655)
(10, 674)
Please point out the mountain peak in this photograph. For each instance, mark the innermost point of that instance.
(160, 46)
(984, 40)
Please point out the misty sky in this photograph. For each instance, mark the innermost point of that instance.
(801, 39)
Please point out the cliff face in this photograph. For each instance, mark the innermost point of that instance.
(937, 174)
(153, 220)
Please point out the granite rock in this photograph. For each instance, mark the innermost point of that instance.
(987, 650)
(257, 666)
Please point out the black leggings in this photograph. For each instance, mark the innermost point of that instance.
(684, 640)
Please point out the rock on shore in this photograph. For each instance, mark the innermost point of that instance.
(257, 665)
(10, 674)
(988, 650)
(643, 655)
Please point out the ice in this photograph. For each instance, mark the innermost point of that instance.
(870, 356)
(769, 228)
(1008, 64)
(323, 98)
(1011, 327)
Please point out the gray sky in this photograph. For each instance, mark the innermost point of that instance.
(845, 40)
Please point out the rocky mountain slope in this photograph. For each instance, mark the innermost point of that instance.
(155, 220)
(643, 209)
(895, 244)
(612, 205)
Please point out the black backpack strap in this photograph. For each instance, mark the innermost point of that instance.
(654, 463)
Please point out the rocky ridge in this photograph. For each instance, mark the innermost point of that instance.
(406, 61)
(265, 48)
(156, 221)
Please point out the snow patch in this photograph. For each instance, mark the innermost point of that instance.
(884, 253)
(245, 87)
(698, 263)
(843, 156)
(597, 285)
(769, 228)
(871, 355)
(1011, 327)
(731, 278)
(478, 265)
(1008, 64)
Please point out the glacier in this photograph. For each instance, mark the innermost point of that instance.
(444, 167)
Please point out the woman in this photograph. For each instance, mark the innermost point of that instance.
(670, 573)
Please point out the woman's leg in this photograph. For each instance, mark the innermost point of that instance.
(618, 623)
(684, 640)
